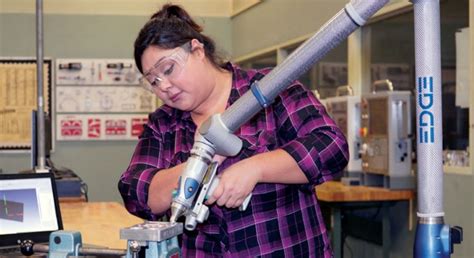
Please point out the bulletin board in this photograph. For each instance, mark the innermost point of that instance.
(100, 99)
(18, 98)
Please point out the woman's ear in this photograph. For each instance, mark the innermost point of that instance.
(198, 48)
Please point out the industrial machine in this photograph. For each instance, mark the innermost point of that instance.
(433, 237)
(344, 109)
(386, 137)
(216, 134)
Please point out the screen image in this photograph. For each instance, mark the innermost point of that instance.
(16, 204)
(27, 205)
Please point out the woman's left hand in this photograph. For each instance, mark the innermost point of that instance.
(236, 183)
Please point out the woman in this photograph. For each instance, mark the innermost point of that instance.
(288, 148)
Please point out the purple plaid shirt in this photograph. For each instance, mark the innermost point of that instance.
(281, 220)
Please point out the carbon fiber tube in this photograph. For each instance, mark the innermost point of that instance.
(302, 59)
(428, 108)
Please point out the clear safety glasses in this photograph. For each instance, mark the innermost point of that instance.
(167, 68)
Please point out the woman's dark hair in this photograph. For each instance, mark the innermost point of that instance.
(169, 28)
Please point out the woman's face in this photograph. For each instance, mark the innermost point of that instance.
(176, 75)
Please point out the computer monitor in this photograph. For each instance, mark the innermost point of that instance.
(29, 208)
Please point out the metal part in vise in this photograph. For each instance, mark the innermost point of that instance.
(159, 239)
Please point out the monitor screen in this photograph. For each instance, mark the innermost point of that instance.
(29, 208)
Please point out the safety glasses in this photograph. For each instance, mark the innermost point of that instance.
(167, 68)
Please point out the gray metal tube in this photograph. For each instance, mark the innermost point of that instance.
(41, 166)
(301, 60)
(103, 251)
(428, 108)
(86, 251)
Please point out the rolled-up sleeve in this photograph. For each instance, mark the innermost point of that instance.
(313, 139)
(135, 181)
